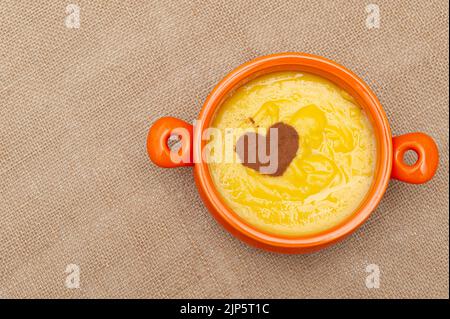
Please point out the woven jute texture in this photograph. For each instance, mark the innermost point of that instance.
(77, 187)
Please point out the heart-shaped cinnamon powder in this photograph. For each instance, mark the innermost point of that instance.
(274, 162)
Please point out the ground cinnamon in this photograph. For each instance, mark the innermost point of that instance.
(247, 148)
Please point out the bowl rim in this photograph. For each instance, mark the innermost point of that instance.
(345, 79)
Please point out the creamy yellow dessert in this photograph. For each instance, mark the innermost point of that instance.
(331, 172)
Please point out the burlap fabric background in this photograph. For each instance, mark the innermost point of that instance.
(76, 185)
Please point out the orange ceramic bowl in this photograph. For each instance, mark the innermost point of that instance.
(390, 151)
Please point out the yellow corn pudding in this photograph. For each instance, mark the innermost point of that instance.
(331, 171)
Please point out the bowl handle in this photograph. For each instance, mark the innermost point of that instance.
(157, 148)
(427, 158)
